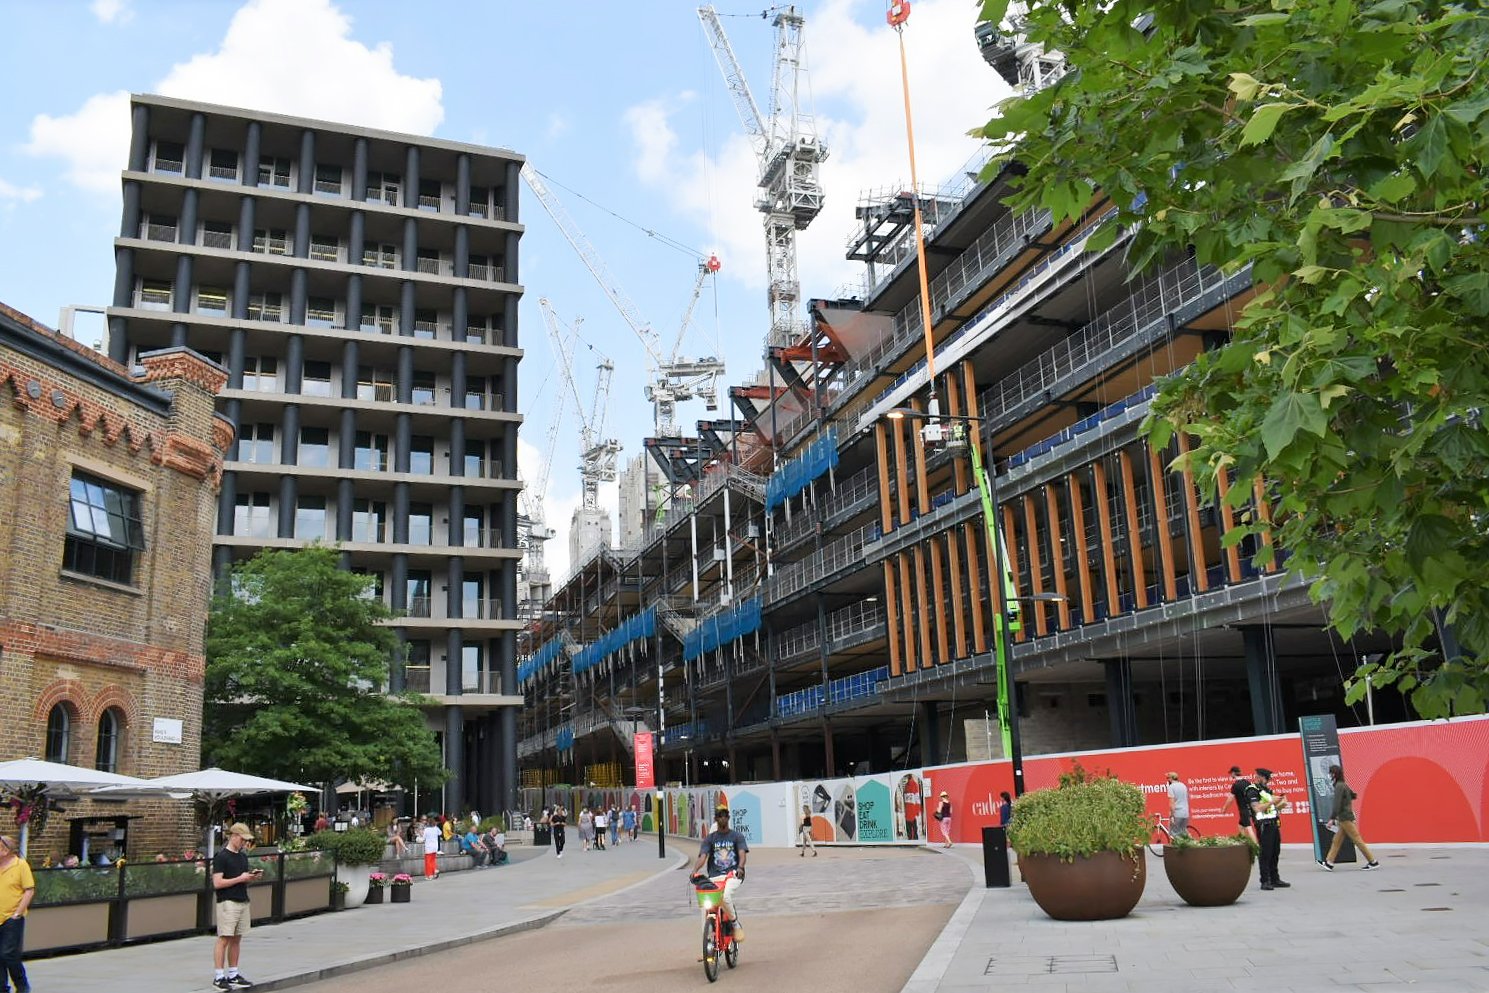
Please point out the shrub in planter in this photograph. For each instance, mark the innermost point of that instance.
(338, 896)
(352, 850)
(1211, 871)
(1080, 846)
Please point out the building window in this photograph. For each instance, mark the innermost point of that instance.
(159, 227)
(419, 582)
(315, 448)
(211, 301)
(217, 234)
(170, 156)
(369, 520)
(383, 256)
(416, 668)
(261, 374)
(475, 458)
(476, 328)
(374, 589)
(274, 172)
(426, 323)
(383, 187)
(310, 518)
(104, 530)
(110, 731)
(431, 194)
(470, 667)
(59, 733)
(266, 307)
(328, 179)
(475, 393)
(256, 444)
(374, 384)
(472, 602)
(421, 524)
(421, 455)
(474, 517)
(480, 201)
(316, 379)
(325, 248)
(271, 241)
(320, 312)
(223, 164)
(371, 452)
(155, 294)
(428, 260)
(423, 389)
(252, 517)
(380, 319)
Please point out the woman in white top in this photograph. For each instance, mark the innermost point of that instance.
(602, 824)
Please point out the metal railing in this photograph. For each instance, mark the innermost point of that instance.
(217, 239)
(223, 172)
(858, 487)
(160, 232)
(427, 202)
(804, 639)
(425, 264)
(326, 186)
(845, 552)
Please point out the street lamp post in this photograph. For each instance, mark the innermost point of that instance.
(1003, 619)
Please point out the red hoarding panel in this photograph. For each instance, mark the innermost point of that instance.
(645, 771)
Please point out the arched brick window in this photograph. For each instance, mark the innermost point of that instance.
(59, 733)
(110, 740)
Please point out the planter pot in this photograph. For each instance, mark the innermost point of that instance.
(1208, 877)
(1100, 888)
(401, 894)
(338, 901)
(355, 878)
(374, 894)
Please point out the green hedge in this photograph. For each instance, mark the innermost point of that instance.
(359, 846)
(1084, 815)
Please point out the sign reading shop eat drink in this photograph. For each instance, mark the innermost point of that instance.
(645, 772)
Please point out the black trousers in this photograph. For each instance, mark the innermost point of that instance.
(12, 939)
(1269, 837)
(558, 839)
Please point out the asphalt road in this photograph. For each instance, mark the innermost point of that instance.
(852, 920)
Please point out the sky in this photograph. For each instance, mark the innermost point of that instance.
(621, 106)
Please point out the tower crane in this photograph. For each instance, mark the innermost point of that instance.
(533, 496)
(675, 379)
(597, 455)
(790, 158)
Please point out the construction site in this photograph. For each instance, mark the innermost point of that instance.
(930, 528)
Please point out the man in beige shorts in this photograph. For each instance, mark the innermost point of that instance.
(230, 878)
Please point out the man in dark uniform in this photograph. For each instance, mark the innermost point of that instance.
(1265, 808)
(1238, 787)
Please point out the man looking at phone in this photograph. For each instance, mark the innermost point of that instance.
(230, 878)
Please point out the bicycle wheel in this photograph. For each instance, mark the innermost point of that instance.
(1159, 839)
(1192, 832)
(710, 950)
(731, 953)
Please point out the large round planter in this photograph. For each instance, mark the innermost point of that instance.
(1102, 887)
(355, 878)
(1208, 877)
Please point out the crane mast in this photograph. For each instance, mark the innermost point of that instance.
(789, 155)
(597, 455)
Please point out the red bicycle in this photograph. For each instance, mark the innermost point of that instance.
(718, 934)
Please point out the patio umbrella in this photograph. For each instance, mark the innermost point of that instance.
(213, 785)
(33, 780)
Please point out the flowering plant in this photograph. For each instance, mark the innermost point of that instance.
(403, 879)
(378, 879)
(296, 803)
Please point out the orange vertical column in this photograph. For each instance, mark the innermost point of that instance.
(1082, 551)
(1011, 550)
(1134, 531)
(886, 524)
(1057, 549)
(1199, 573)
(1156, 482)
(1264, 514)
(1108, 542)
(1036, 579)
(979, 626)
(1227, 521)
(938, 585)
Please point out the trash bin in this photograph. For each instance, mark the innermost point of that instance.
(542, 835)
(995, 856)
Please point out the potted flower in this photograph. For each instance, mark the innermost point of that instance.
(353, 851)
(1080, 846)
(375, 883)
(1209, 872)
(338, 895)
(403, 887)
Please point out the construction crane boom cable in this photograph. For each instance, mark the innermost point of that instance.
(670, 242)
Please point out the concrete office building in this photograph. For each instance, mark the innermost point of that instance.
(360, 287)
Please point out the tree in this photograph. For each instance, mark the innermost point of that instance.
(1336, 148)
(296, 662)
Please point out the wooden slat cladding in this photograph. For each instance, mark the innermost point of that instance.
(1082, 550)
(1134, 531)
(1165, 563)
(1199, 579)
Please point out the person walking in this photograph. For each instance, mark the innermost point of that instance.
(557, 821)
(431, 838)
(1265, 807)
(613, 819)
(1005, 809)
(628, 821)
(943, 817)
(1178, 805)
(1238, 787)
(586, 827)
(230, 878)
(17, 888)
(804, 833)
(602, 827)
(1342, 823)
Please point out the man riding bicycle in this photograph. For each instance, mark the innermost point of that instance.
(723, 852)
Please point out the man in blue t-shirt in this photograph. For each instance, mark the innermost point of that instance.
(724, 852)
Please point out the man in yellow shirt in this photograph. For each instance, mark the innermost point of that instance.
(17, 887)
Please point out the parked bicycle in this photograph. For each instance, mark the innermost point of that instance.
(718, 934)
(1163, 834)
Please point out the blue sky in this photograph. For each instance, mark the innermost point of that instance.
(622, 103)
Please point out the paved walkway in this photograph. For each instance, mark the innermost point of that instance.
(1419, 923)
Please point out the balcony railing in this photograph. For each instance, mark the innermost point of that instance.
(428, 202)
(840, 554)
(160, 232)
(217, 239)
(164, 164)
(418, 606)
(429, 265)
(223, 172)
(328, 186)
(485, 610)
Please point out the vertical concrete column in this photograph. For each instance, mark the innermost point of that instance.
(123, 297)
(456, 528)
(294, 362)
(1261, 677)
(410, 246)
(353, 321)
(299, 295)
(510, 192)
(509, 257)
(187, 222)
(356, 242)
(227, 501)
(359, 169)
(289, 495)
(132, 215)
(509, 324)
(301, 247)
(345, 495)
(411, 176)
(462, 184)
(289, 454)
(307, 162)
(406, 301)
(247, 219)
(455, 755)
(196, 142)
(139, 138)
(459, 315)
(458, 382)
(462, 252)
(252, 142)
(1119, 703)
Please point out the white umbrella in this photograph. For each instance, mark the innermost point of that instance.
(53, 779)
(212, 785)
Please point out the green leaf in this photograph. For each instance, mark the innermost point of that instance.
(1431, 146)
(1264, 121)
(1289, 414)
(1264, 20)
(1393, 188)
(993, 10)
(1469, 109)
(1244, 86)
(1473, 289)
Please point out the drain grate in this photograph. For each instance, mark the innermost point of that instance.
(1049, 965)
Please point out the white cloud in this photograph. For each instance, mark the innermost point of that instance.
(558, 126)
(112, 11)
(853, 71)
(11, 193)
(282, 56)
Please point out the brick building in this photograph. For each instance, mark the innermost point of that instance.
(108, 500)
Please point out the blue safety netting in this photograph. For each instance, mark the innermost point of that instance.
(721, 628)
(542, 659)
(636, 628)
(790, 479)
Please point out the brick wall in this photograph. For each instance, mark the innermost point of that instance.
(87, 644)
